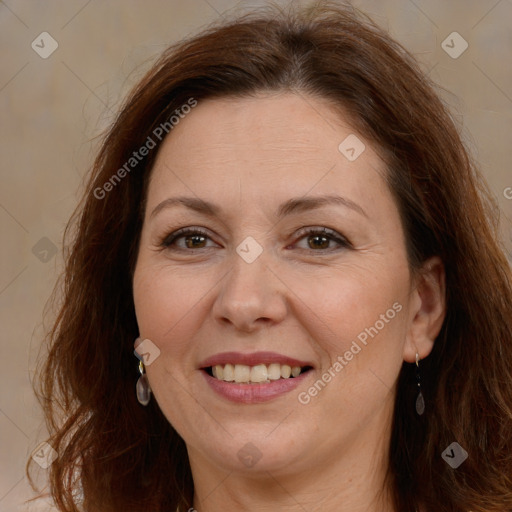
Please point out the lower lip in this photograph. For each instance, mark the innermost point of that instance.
(253, 393)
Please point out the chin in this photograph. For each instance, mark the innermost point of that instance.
(255, 453)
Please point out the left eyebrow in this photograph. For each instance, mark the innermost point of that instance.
(310, 203)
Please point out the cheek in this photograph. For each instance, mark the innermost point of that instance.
(360, 318)
(344, 303)
(169, 312)
(170, 306)
(159, 303)
(360, 330)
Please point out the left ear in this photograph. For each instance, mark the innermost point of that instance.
(428, 310)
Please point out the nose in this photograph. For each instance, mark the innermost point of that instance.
(251, 296)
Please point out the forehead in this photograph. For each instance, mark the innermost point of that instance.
(267, 145)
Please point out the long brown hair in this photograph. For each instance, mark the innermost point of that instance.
(127, 457)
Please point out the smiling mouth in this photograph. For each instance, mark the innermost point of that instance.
(258, 374)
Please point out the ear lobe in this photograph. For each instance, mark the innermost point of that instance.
(430, 310)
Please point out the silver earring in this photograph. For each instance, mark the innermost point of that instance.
(420, 401)
(143, 388)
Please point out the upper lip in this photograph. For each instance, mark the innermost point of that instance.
(252, 359)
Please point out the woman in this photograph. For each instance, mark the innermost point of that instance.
(285, 223)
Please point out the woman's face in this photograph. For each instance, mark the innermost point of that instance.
(290, 254)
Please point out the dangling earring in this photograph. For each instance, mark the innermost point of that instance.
(420, 401)
(143, 388)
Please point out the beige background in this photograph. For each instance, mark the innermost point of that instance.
(51, 110)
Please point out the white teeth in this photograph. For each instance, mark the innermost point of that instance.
(274, 371)
(242, 373)
(295, 371)
(259, 373)
(286, 371)
(229, 373)
(218, 371)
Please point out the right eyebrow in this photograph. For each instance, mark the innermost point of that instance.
(194, 203)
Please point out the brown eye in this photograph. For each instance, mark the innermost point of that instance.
(195, 241)
(184, 239)
(318, 242)
(322, 240)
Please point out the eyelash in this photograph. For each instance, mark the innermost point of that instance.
(330, 234)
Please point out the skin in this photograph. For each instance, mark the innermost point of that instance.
(248, 156)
